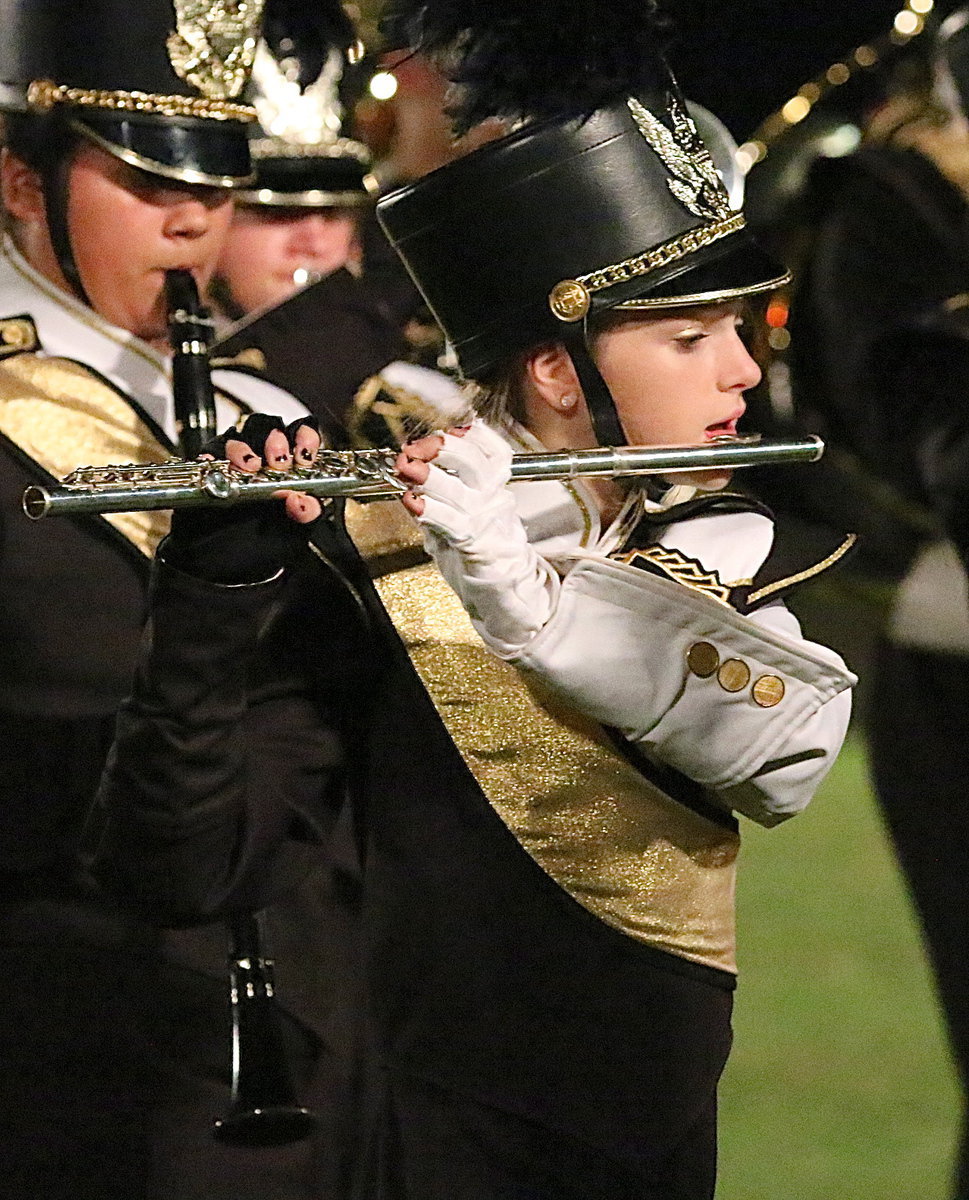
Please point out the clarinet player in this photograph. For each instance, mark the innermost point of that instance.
(121, 153)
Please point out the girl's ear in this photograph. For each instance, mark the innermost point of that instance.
(552, 374)
(21, 189)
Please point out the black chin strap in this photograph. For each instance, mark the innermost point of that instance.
(602, 410)
(55, 182)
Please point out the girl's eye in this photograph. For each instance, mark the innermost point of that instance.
(689, 337)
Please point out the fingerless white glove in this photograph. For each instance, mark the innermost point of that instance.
(473, 531)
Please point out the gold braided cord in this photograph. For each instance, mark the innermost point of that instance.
(43, 94)
(660, 256)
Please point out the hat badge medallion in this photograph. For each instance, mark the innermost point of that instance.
(214, 44)
(691, 175)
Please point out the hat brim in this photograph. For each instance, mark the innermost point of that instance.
(730, 270)
(190, 150)
(311, 181)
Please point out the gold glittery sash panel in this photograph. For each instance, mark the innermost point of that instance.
(64, 417)
(616, 843)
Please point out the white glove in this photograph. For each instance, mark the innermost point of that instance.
(473, 531)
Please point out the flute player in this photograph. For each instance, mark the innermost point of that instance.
(119, 162)
(548, 852)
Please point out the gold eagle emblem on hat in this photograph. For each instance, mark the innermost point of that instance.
(214, 44)
(691, 174)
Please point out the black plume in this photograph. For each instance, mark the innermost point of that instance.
(535, 58)
(304, 30)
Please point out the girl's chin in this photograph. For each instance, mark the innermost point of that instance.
(705, 481)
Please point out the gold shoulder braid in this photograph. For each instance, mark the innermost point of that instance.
(61, 415)
(618, 845)
(18, 335)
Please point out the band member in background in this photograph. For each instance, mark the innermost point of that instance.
(315, 297)
(880, 360)
(121, 152)
(549, 854)
(300, 218)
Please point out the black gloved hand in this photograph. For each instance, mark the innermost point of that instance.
(241, 543)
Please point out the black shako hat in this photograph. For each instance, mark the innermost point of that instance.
(521, 240)
(156, 83)
(306, 78)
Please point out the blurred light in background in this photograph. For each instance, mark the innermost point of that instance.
(383, 85)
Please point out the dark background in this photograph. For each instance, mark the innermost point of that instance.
(743, 58)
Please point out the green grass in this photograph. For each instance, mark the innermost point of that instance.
(840, 1085)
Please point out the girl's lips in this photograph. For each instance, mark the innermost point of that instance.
(722, 429)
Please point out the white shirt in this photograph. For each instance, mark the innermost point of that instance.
(67, 328)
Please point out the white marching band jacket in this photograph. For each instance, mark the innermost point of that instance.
(678, 639)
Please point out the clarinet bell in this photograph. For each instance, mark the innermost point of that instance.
(275, 1126)
(263, 1109)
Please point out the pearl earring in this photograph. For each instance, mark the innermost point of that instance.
(568, 400)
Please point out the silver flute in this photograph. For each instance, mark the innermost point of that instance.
(370, 475)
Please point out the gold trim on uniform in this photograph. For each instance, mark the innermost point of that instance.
(312, 198)
(567, 295)
(405, 413)
(341, 147)
(18, 335)
(721, 295)
(60, 414)
(616, 843)
(664, 254)
(809, 573)
(154, 167)
(43, 94)
(251, 357)
(676, 566)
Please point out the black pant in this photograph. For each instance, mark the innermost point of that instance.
(428, 1142)
(445, 1147)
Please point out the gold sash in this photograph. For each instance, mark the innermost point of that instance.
(622, 848)
(63, 417)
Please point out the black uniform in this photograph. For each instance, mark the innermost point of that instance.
(495, 999)
(114, 1033)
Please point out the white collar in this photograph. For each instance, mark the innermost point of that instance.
(562, 518)
(69, 329)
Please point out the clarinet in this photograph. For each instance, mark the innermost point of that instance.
(263, 1110)
(190, 331)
